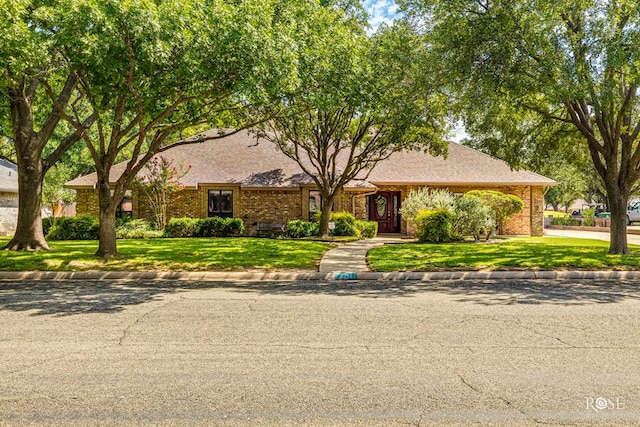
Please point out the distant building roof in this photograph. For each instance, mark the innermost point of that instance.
(8, 177)
(242, 159)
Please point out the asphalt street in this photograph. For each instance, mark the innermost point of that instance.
(319, 353)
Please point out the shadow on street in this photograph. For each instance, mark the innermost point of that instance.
(65, 298)
(78, 297)
(488, 292)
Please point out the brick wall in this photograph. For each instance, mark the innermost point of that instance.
(279, 206)
(87, 202)
(184, 203)
(269, 206)
(356, 203)
(537, 211)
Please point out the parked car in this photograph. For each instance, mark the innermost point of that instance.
(633, 211)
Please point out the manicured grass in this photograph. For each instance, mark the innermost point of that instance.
(193, 254)
(511, 254)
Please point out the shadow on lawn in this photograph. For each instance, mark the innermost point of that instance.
(110, 296)
(479, 292)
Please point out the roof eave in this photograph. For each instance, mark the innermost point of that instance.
(469, 184)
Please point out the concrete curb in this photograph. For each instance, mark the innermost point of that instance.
(314, 276)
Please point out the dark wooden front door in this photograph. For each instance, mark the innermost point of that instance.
(383, 208)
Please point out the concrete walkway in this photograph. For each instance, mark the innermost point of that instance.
(352, 257)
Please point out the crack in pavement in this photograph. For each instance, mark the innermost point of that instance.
(500, 398)
(518, 322)
(125, 332)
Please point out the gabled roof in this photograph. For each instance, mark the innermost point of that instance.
(8, 177)
(242, 159)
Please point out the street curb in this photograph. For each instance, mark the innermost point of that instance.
(314, 276)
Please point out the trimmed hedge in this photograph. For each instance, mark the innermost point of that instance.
(368, 229)
(298, 228)
(47, 223)
(181, 227)
(434, 225)
(136, 229)
(86, 227)
(83, 227)
(345, 224)
(204, 227)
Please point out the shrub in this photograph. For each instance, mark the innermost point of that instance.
(298, 228)
(209, 227)
(204, 227)
(434, 225)
(587, 217)
(473, 218)
(426, 198)
(181, 227)
(136, 229)
(564, 220)
(47, 223)
(83, 227)
(232, 227)
(368, 229)
(345, 224)
(502, 206)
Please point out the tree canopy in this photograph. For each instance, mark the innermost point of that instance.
(153, 78)
(365, 97)
(531, 75)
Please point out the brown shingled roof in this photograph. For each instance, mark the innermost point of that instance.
(244, 160)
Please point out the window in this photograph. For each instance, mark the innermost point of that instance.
(220, 203)
(125, 208)
(315, 203)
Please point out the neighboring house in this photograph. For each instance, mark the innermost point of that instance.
(241, 176)
(8, 197)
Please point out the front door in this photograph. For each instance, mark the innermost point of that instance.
(383, 208)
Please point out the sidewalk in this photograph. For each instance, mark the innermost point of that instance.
(352, 257)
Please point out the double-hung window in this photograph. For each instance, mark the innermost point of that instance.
(220, 203)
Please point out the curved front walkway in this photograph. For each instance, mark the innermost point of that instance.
(352, 257)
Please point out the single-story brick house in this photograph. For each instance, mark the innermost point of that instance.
(242, 176)
(8, 197)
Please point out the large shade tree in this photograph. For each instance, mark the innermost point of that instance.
(156, 72)
(528, 71)
(29, 119)
(364, 100)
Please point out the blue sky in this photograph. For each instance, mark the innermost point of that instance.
(380, 11)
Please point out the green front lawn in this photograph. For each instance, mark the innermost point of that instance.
(541, 253)
(193, 254)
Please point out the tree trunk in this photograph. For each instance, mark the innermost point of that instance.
(325, 215)
(29, 146)
(618, 233)
(107, 247)
(29, 235)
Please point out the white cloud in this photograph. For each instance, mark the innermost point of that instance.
(381, 12)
